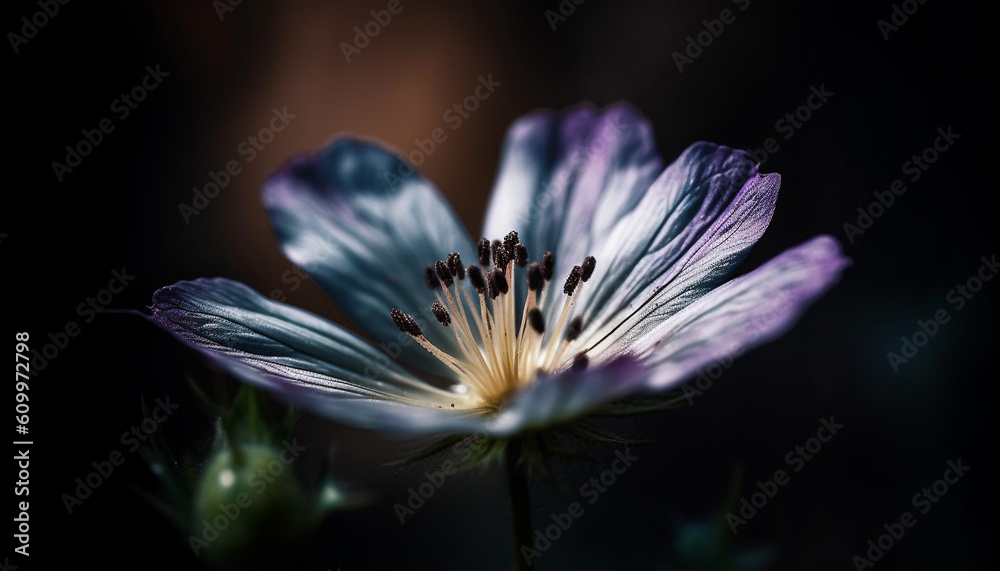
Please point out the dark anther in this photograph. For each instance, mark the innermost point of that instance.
(441, 313)
(495, 247)
(574, 328)
(548, 265)
(500, 258)
(509, 242)
(455, 265)
(484, 252)
(588, 268)
(443, 274)
(492, 285)
(431, 278)
(535, 279)
(572, 280)
(476, 278)
(580, 363)
(520, 254)
(536, 320)
(499, 281)
(405, 322)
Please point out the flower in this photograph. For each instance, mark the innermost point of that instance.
(626, 294)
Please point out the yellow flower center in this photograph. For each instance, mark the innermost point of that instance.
(499, 350)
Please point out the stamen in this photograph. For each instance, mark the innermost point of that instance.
(520, 254)
(484, 252)
(443, 274)
(405, 322)
(574, 328)
(588, 267)
(572, 280)
(548, 265)
(476, 278)
(431, 278)
(535, 279)
(536, 320)
(441, 313)
(496, 350)
(509, 242)
(500, 257)
(455, 265)
(499, 281)
(492, 284)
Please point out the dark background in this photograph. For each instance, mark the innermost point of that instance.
(120, 208)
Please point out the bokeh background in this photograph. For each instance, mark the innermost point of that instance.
(226, 74)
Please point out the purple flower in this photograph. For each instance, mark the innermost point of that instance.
(602, 276)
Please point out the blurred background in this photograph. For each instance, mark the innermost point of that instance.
(224, 70)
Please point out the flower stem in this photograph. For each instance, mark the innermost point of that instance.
(520, 503)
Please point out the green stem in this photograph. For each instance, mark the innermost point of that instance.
(520, 503)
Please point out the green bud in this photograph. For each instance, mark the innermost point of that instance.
(249, 506)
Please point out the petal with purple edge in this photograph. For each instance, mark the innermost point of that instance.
(323, 368)
(738, 315)
(364, 225)
(675, 265)
(566, 178)
(295, 350)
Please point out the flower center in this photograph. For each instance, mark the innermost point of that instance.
(500, 351)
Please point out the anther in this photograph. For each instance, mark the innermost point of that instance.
(476, 278)
(431, 278)
(443, 274)
(441, 313)
(484, 252)
(580, 363)
(509, 242)
(588, 268)
(572, 280)
(520, 254)
(536, 320)
(455, 265)
(499, 281)
(535, 278)
(500, 257)
(574, 328)
(405, 322)
(548, 265)
(492, 285)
